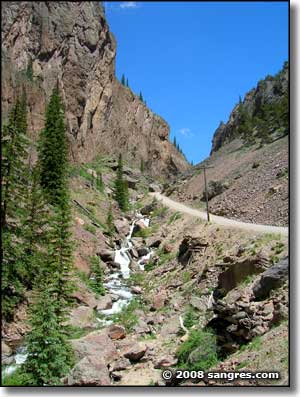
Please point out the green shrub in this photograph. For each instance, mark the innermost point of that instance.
(90, 228)
(127, 317)
(199, 352)
(190, 317)
(18, 378)
(174, 217)
(96, 282)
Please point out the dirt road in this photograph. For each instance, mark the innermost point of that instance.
(219, 219)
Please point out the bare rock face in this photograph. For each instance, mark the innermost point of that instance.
(69, 43)
(90, 371)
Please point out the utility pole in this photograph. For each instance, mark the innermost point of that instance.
(204, 167)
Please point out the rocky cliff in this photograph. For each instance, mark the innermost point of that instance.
(70, 43)
(263, 114)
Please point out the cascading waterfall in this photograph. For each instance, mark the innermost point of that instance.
(115, 283)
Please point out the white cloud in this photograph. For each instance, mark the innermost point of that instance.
(129, 4)
(186, 132)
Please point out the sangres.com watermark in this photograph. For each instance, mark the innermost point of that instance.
(169, 374)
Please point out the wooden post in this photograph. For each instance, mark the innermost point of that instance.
(204, 167)
(206, 195)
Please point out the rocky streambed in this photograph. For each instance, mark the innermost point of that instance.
(115, 284)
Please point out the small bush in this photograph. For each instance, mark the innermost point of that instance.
(199, 352)
(174, 217)
(18, 378)
(90, 228)
(190, 317)
(96, 282)
(127, 317)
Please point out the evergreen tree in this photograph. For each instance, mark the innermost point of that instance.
(13, 211)
(127, 84)
(174, 142)
(141, 96)
(97, 278)
(53, 149)
(110, 221)
(60, 258)
(123, 79)
(35, 228)
(121, 187)
(50, 355)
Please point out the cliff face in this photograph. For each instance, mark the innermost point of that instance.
(70, 43)
(266, 104)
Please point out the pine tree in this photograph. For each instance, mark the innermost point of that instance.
(121, 187)
(174, 142)
(60, 259)
(35, 228)
(50, 355)
(141, 96)
(127, 84)
(110, 221)
(13, 211)
(53, 149)
(97, 278)
(123, 79)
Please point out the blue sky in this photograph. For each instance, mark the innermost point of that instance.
(192, 60)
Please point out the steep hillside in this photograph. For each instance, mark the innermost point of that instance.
(261, 117)
(69, 44)
(249, 159)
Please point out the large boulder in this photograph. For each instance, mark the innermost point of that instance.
(106, 255)
(122, 226)
(131, 182)
(116, 332)
(82, 316)
(138, 226)
(89, 371)
(237, 272)
(96, 343)
(272, 278)
(149, 208)
(136, 352)
(188, 246)
(153, 187)
(165, 362)
(105, 302)
(82, 295)
(159, 300)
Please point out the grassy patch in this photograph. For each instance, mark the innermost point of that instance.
(247, 280)
(174, 217)
(159, 212)
(199, 352)
(74, 332)
(90, 228)
(186, 276)
(147, 232)
(190, 317)
(283, 173)
(18, 378)
(127, 318)
(242, 364)
(278, 248)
